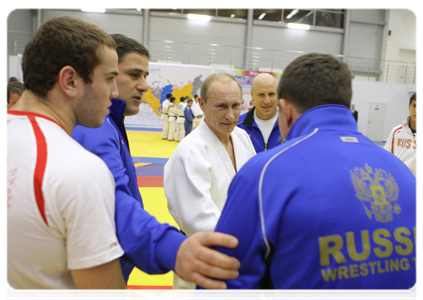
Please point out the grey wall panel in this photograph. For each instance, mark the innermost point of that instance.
(20, 27)
(368, 15)
(365, 43)
(287, 44)
(229, 36)
(129, 25)
(279, 38)
(184, 30)
(20, 20)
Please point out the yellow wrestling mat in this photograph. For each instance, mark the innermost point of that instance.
(150, 153)
(145, 145)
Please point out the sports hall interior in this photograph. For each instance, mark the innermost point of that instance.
(379, 46)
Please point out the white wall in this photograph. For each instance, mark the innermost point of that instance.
(402, 23)
(395, 96)
(129, 25)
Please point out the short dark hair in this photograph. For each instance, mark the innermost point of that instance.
(126, 45)
(15, 87)
(195, 96)
(172, 99)
(316, 79)
(182, 99)
(168, 96)
(189, 100)
(412, 98)
(61, 42)
(12, 80)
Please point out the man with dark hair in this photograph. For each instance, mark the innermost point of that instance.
(165, 116)
(14, 91)
(188, 117)
(354, 112)
(60, 226)
(149, 245)
(327, 209)
(402, 139)
(13, 79)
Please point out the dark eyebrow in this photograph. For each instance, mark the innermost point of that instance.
(139, 71)
(113, 73)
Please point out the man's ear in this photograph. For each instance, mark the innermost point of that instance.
(69, 81)
(202, 103)
(287, 110)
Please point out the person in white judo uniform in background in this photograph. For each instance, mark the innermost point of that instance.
(198, 174)
(198, 113)
(172, 115)
(180, 130)
(165, 117)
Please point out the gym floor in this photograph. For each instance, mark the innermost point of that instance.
(150, 153)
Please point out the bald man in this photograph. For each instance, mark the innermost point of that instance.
(261, 122)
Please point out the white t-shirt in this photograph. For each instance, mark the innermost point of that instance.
(265, 126)
(60, 200)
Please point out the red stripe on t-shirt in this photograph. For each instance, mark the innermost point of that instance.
(393, 139)
(40, 167)
(31, 115)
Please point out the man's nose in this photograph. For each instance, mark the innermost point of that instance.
(142, 84)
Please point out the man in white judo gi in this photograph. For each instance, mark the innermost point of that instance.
(198, 113)
(165, 117)
(198, 174)
(180, 130)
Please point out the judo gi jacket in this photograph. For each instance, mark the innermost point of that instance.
(197, 177)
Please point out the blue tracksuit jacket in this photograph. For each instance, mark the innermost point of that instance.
(148, 244)
(246, 121)
(328, 209)
(189, 116)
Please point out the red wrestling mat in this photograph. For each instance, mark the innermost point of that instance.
(150, 181)
(149, 291)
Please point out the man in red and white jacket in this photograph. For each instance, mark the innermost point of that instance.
(402, 139)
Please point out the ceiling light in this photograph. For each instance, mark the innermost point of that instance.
(96, 10)
(298, 26)
(199, 17)
(294, 12)
(262, 16)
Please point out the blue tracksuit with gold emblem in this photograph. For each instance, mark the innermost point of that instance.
(328, 209)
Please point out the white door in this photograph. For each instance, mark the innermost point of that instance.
(376, 121)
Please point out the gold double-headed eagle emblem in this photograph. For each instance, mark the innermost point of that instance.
(377, 191)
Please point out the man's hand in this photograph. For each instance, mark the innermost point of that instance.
(195, 261)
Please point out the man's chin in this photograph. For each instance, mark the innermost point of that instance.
(131, 111)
